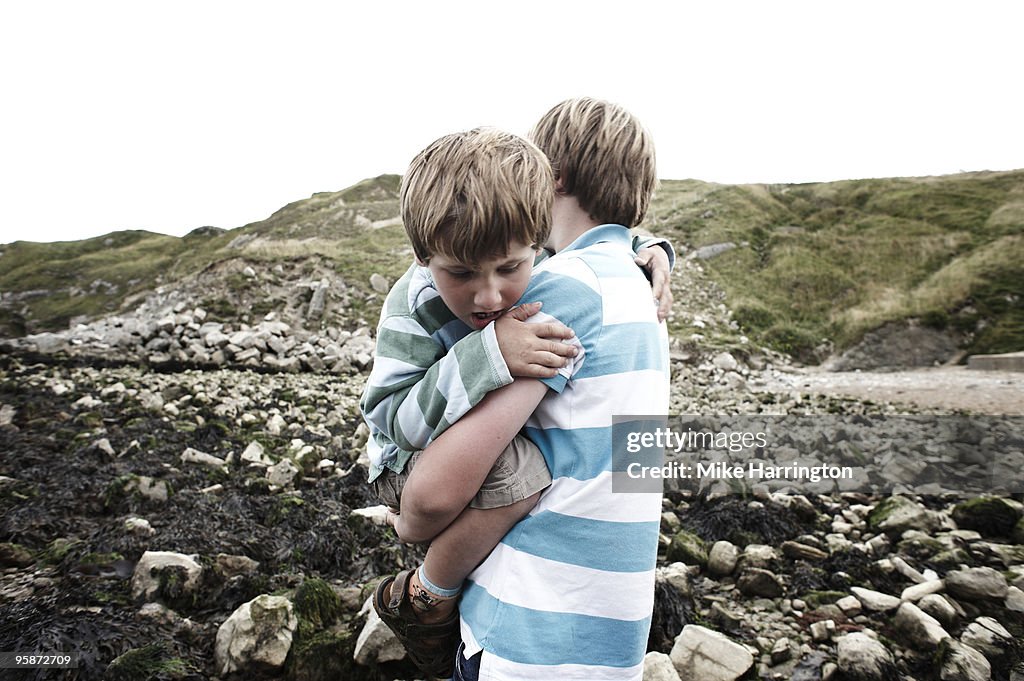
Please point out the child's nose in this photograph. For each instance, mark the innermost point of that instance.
(488, 297)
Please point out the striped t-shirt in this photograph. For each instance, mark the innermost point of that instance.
(431, 368)
(569, 592)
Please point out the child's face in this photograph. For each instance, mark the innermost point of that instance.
(477, 293)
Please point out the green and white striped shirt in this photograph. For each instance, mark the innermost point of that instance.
(430, 368)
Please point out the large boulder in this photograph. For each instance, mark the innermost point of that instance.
(976, 584)
(862, 657)
(376, 642)
(257, 636)
(918, 627)
(165, 575)
(701, 653)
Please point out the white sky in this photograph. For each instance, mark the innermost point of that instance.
(170, 116)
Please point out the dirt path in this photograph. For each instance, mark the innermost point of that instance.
(953, 388)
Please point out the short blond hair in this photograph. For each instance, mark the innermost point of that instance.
(602, 155)
(470, 194)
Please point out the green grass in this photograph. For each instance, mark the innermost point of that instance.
(833, 261)
(814, 261)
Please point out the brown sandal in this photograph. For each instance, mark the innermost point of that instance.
(431, 647)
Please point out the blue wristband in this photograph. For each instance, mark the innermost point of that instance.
(434, 589)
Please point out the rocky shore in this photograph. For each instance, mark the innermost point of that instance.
(200, 524)
(184, 498)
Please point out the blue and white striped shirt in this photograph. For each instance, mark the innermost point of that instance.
(569, 592)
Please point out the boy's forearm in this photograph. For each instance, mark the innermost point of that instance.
(452, 469)
(409, 408)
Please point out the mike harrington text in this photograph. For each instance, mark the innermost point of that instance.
(754, 470)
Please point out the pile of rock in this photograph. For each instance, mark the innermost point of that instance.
(182, 335)
(954, 625)
(939, 578)
(948, 626)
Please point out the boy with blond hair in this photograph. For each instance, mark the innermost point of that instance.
(568, 592)
(476, 206)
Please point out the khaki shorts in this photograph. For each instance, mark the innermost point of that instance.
(519, 472)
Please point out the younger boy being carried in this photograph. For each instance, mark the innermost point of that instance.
(477, 209)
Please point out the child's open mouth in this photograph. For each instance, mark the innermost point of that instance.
(484, 318)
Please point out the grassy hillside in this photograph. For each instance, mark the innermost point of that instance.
(46, 286)
(834, 260)
(813, 261)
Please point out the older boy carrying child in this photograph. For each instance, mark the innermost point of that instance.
(568, 593)
(476, 206)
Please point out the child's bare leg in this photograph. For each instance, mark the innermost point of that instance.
(457, 551)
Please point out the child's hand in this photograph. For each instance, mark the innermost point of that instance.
(532, 350)
(654, 260)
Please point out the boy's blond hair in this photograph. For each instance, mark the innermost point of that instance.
(602, 155)
(470, 194)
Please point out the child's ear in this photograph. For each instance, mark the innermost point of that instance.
(559, 186)
(421, 263)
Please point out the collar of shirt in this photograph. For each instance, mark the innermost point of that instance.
(600, 234)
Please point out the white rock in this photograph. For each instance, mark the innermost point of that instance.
(725, 361)
(963, 663)
(146, 578)
(87, 402)
(862, 657)
(659, 667)
(781, 651)
(257, 635)
(939, 608)
(1014, 599)
(837, 543)
(158, 612)
(987, 636)
(154, 490)
(701, 653)
(678, 576)
(919, 591)
(139, 526)
(282, 473)
(276, 424)
(875, 600)
(103, 444)
(920, 628)
(254, 454)
(216, 339)
(823, 630)
(191, 455)
(758, 555)
(722, 558)
(376, 642)
(976, 584)
(379, 283)
(377, 514)
(849, 605)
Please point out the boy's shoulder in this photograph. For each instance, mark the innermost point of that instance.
(411, 290)
(580, 285)
(415, 296)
